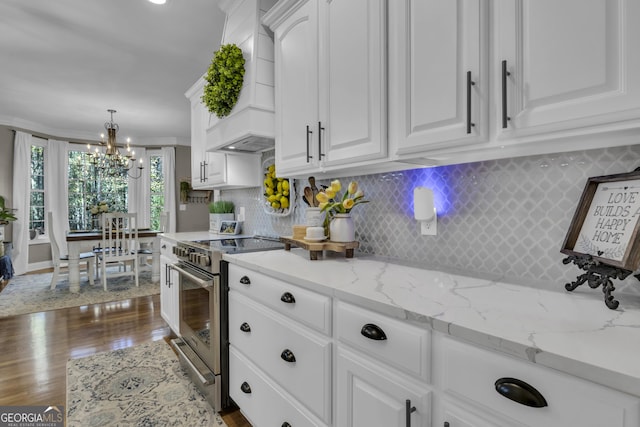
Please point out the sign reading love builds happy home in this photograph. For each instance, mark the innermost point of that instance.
(606, 221)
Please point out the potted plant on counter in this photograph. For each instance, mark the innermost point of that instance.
(220, 210)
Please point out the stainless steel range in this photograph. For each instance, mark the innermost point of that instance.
(204, 343)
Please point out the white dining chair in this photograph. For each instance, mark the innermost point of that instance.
(145, 251)
(119, 245)
(62, 262)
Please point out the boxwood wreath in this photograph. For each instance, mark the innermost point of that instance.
(224, 80)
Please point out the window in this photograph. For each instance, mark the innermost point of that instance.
(36, 199)
(156, 174)
(88, 187)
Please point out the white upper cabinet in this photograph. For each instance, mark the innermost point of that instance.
(199, 122)
(438, 74)
(330, 84)
(569, 64)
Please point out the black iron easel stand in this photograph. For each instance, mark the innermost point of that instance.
(597, 274)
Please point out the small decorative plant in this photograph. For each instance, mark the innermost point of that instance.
(221, 206)
(6, 214)
(99, 208)
(224, 80)
(185, 188)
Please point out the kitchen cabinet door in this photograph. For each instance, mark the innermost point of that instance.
(373, 395)
(199, 122)
(296, 90)
(353, 103)
(330, 85)
(169, 296)
(570, 64)
(438, 74)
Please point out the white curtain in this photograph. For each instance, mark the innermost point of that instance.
(21, 194)
(140, 191)
(57, 190)
(169, 165)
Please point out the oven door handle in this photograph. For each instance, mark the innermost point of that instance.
(204, 282)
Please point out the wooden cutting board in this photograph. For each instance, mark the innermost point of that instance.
(316, 248)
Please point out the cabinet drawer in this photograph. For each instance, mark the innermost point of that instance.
(471, 372)
(406, 347)
(166, 250)
(266, 404)
(267, 339)
(309, 308)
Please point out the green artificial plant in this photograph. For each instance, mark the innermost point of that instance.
(224, 80)
(221, 206)
(6, 214)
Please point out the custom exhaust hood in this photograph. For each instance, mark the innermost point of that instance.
(250, 127)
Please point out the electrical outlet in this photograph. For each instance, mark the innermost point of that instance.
(183, 207)
(240, 215)
(429, 228)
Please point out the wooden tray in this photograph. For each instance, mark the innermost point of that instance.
(316, 248)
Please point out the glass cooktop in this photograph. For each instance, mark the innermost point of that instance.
(241, 244)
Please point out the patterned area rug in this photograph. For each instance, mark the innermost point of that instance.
(137, 386)
(30, 293)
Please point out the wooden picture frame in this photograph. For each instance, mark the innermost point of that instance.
(605, 224)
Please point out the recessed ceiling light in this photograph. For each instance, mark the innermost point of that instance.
(158, 1)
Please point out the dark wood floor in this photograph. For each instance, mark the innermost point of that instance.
(36, 347)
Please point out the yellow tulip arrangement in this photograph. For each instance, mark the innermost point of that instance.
(331, 203)
(276, 190)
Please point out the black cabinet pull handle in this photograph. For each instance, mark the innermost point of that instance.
(408, 411)
(285, 424)
(245, 387)
(520, 392)
(320, 129)
(287, 298)
(373, 332)
(287, 355)
(167, 275)
(505, 74)
(446, 424)
(245, 327)
(245, 280)
(309, 132)
(469, 84)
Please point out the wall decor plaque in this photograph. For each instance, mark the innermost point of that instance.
(603, 236)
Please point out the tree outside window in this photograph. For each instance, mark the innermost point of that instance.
(87, 188)
(156, 173)
(36, 205)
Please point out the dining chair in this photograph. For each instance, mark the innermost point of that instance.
(60, 262)
(119, 245)
(145, 251)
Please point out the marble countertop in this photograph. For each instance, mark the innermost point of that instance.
(572, 332)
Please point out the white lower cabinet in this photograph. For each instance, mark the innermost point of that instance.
(301, 358)
(169, 294)
(370, 394)
(261, 401)
(471, 376)
(280, 361)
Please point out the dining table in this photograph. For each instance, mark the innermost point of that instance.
(79, 241)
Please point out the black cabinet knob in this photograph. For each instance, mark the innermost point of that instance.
(245, 280)
(245, 387)
(287, 298)
(520, 392)
(373, 332)
(285, 424)
(288, 356)
(245, 327)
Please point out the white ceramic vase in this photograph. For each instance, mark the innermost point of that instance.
(342, 229)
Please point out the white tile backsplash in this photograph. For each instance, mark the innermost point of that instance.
(506, 217)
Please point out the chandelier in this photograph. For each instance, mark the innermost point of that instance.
(113, 162)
